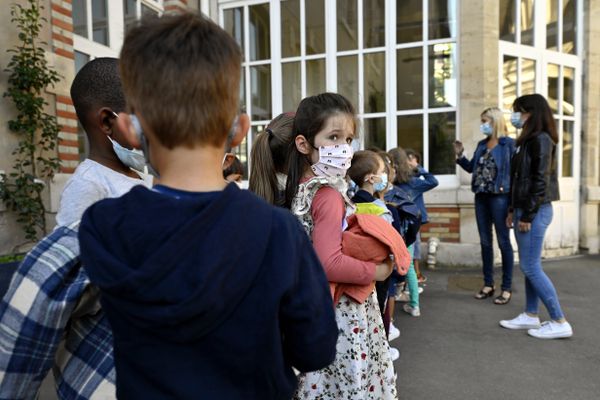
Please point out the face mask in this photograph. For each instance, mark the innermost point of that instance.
(132, 158)
(515, 120)
(380, 186)
(333, 161)
(486, 129)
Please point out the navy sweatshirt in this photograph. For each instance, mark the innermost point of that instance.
(210, 295)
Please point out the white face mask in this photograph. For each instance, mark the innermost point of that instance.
(334, 160)
(132, 158)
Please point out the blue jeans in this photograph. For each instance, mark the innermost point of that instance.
(537, 284)
(492, 209)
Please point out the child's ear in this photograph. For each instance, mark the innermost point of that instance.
(105, 119)
(241, 130)
(302, 145)
(125, 125)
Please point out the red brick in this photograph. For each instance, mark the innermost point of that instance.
(67, 170)
(61, 38)
(72, 143)
(61, 10)
(69, 129)
(65, 53)
(62, 24)
(66, 114)
(68, 156)
(64, 99)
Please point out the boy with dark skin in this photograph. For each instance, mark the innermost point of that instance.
(111, 168)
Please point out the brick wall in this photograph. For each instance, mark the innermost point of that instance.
(444, 223)
(175, 6)
(62, 46)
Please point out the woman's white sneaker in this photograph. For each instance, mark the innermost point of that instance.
(552, 330)
(522, 321)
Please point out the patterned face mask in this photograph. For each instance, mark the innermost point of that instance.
(334, 160)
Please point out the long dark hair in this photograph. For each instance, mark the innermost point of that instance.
(269, 156)
(311, 116)
(540, 117)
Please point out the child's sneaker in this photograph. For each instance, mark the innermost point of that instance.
(552, 330)
(394, 353)
(420, 290)
(522, 321)
(394, 333)
(414, 311)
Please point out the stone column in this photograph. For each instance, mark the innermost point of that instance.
(478, 88)
(590, 130)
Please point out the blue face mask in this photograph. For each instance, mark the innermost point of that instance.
(380, 186)
(515, 120)
(486, 129)
(132, 158)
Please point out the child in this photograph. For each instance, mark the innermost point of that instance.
(269, 159)
(111, 168)
(234, 172)
(61, 302)
(369, 172)
(399, 194)
(184, 268)
(420, 182)
(319, 156)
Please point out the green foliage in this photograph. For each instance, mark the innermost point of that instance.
(29, 76)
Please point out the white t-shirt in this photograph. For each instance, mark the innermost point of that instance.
(92, 182)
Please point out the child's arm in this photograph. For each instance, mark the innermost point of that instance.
(423, 185)
(307, 312)
(328, 213)
(35, 311)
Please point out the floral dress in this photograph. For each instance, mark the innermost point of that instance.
(362, 368)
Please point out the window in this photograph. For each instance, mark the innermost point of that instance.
(550, 67)
(90, 20)
(297, 48)
(426, 85)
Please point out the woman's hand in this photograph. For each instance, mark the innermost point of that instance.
(524, 226)
(509, 220)
(382, 271)
(458, 148)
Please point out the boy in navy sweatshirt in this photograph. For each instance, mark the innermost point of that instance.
(211, 292)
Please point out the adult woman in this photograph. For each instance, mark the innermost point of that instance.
(490, 182)
(535, 186)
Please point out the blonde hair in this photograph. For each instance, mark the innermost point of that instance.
(498, 122)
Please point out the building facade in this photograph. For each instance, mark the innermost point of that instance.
(419, 73)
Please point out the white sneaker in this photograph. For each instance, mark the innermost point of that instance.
(420, 290)
(522, 321)
(394, 353)
(552, 330)
(394, 333)
(414, 311)
(403, 297)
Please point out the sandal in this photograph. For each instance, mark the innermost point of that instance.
(503, 298)
(483, 294)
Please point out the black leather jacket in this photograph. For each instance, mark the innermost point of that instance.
(533, 175)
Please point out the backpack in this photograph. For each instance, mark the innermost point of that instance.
(409, 216)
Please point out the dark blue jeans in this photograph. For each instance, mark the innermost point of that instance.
(492, 209)
(537, 284)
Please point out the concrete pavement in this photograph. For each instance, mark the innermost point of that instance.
(457, 350)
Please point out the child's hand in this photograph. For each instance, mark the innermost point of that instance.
(384, 270)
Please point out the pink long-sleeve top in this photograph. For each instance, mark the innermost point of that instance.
(328, 212)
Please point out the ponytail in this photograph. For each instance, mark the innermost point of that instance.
(269, 157)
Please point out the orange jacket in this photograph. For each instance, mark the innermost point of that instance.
(370, 238)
